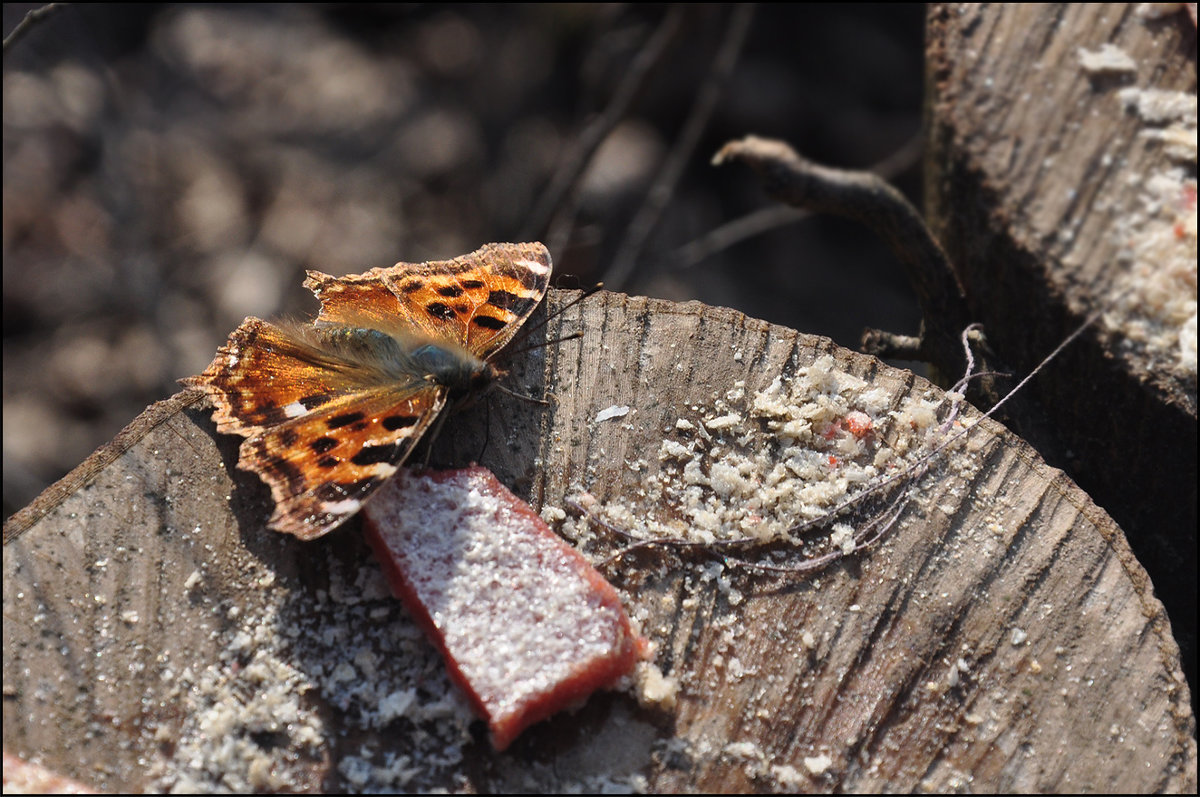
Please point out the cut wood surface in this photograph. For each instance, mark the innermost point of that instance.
(1056, 193)
(1001, 638)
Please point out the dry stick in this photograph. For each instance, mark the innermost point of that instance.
(870, 534)
(890, 345)
(866, 198)
(663, 187)
(769, 218)
(567, 175)
(733, 232)
(31, 19)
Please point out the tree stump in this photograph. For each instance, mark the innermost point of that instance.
(1002, 637)
(1059, 185)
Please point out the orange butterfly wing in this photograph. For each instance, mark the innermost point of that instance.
(478, 300)
(330, 411)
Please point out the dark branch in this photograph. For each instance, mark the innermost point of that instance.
(769, 218)
(27, 24)
(890, 345)
(870, 200)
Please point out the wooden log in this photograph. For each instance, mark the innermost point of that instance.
(1001, 638)
(1043, 171)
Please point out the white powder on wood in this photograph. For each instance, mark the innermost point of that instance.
(753, 465)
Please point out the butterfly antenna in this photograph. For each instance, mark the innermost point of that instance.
(527, 331)
(487, 428)
(521, 396)
(544, 344)
(432, 437)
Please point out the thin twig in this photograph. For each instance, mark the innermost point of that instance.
(870, 200)
(734, 232)
(890, 345)
(769, 218)
(30, 20)
(663, 187)
(870, 534)
(579, 155)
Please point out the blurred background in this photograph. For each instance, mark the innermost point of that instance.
(169, 170)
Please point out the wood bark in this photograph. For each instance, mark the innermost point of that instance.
(1002, 638)
(1033, 163)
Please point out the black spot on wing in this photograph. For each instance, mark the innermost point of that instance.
(327, 462)
(278, 470)
(394, 422)
(489, 322)
(439, 310)
(373, 455)
(323, 444)
(450, 291)
(338, 421)
(503, 299)
(471, 285)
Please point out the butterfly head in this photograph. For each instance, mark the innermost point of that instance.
(458, 371)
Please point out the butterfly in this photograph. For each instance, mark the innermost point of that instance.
(331, 409)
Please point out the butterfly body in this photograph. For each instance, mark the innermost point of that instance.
(331, 409)
(403, 360)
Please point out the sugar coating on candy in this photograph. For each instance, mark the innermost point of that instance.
(526, 625)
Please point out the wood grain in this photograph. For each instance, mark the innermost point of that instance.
(1002, 638)
(1034, 164)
